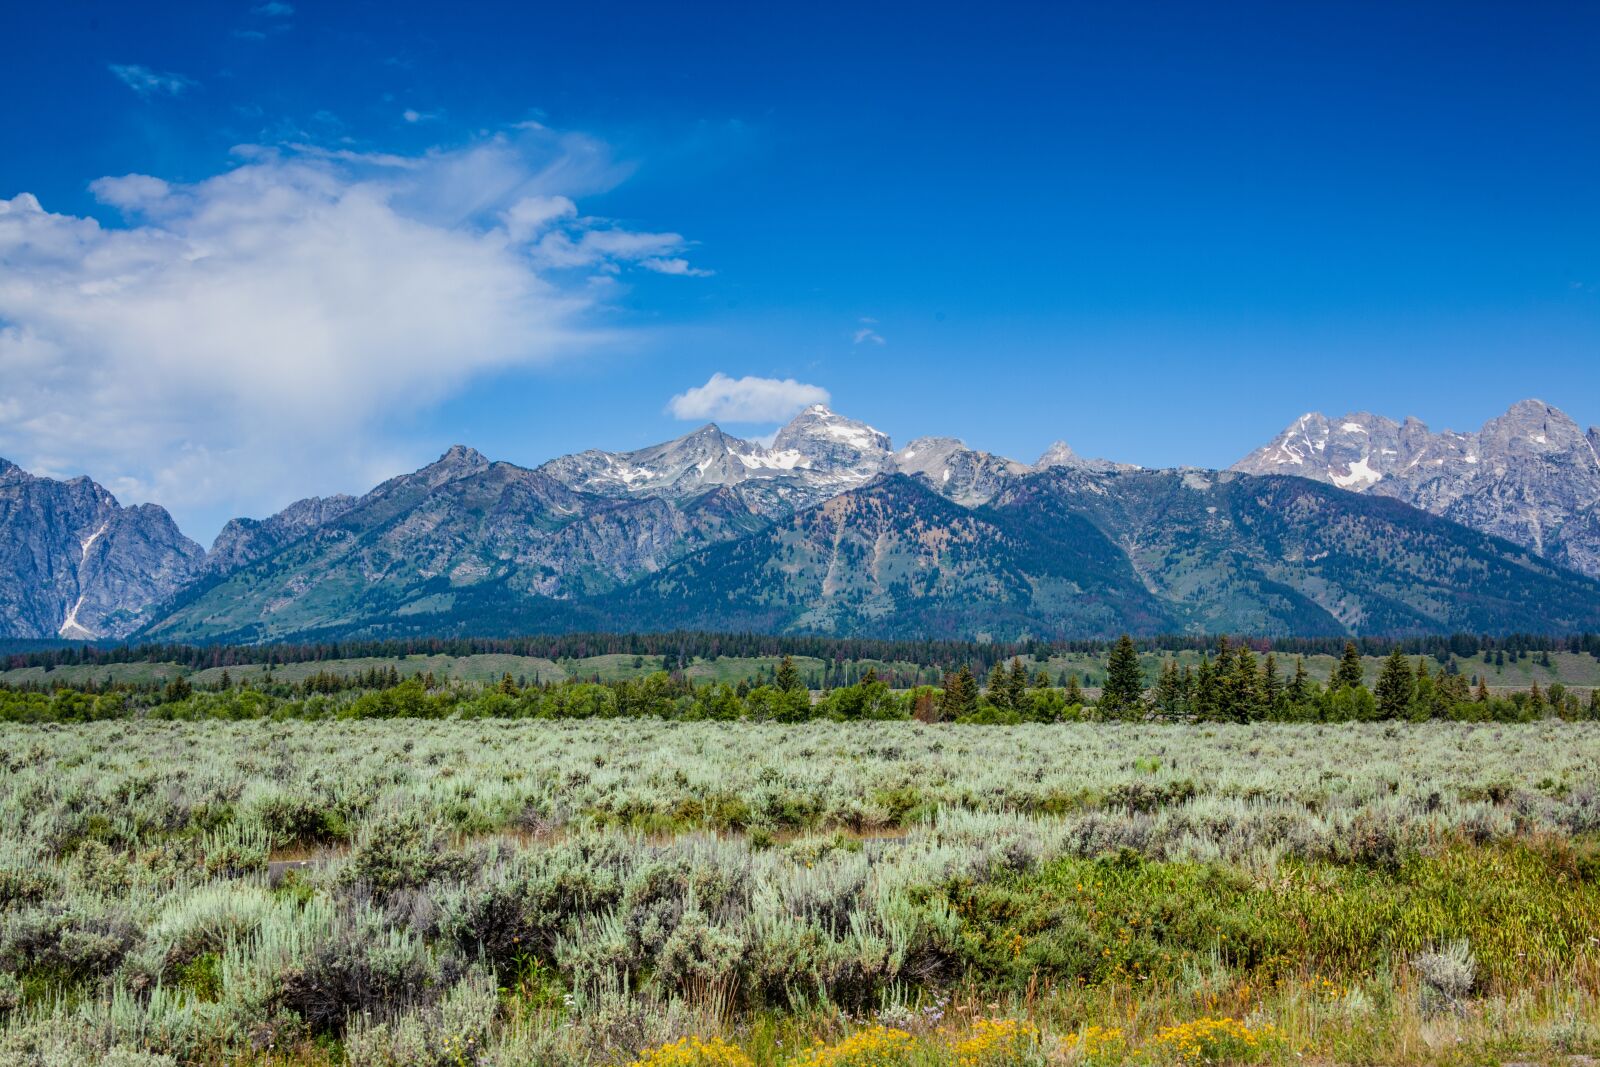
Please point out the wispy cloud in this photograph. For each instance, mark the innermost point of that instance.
(271, 319)
(273, 10)
(675, 265)
(148, 83)
(747, 399)
(866, 333)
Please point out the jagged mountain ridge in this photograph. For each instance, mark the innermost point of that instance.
(1230, 552)
(1069, 553)
(817, 455)
(629, 514)
(75, 563)
(570, 542)
(1531, 475)
(243, 541)
(413, 543)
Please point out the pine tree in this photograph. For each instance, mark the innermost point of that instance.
(960, 693)
(1349, 674)
(1124, 678)
(1204, 701)
(508, 685)
(788, 678)
(1169, 691)
(1396, 686)
(1300, 687)
(999, 688)
(1271, 685)
(1224, 663)
(1594, 703)
(1429, 696)
(1017, 684)
(1482, 695)
(1072, 691)
(1242, 694)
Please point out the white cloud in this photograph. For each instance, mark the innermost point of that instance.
(533, 214)
(274, 9)
(148, 83)
(245, 338)
(674, 265)
(747, 399)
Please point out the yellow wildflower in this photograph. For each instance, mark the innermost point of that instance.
(1094, 1041)
(694, 1052)
(876, 1046)
(995, 1041)
(1211, 1039)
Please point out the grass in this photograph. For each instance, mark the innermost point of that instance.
(664, 894)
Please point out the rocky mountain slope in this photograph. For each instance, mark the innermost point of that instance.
(1084, 552)
(1531, 476)
(243, 541)
(75, 563)
(830, 528)
(413, 544)
(1059, 552)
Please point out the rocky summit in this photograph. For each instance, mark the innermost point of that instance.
(1531, 476)
(831, 529)
(76, 564)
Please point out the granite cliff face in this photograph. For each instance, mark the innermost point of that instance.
(1531, 476)
(74, 563)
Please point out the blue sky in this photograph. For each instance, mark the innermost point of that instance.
(1159, 231)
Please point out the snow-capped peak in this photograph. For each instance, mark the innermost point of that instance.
(824, 434)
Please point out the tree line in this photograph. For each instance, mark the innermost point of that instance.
(1231, 683)
(684, 646)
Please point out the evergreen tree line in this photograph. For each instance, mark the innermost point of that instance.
(685, 646)
(1230, 684)
(1234, 685)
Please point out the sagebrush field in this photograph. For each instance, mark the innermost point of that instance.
(608, 891)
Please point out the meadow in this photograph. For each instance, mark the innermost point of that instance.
(617, 891)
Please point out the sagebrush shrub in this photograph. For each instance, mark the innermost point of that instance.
(363, 970)
(1448, 975)
(402, 851)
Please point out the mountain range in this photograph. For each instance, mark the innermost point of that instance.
(1531, 476)
(1357, 526)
